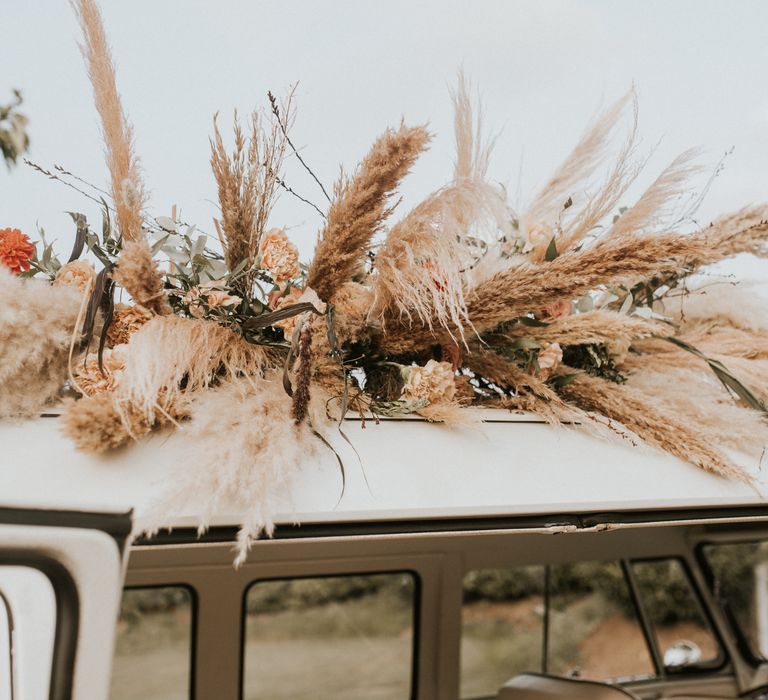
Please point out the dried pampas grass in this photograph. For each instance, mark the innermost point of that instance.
(421, 267)
(654, 207)
(105, 422)
(37, 326)
(360, 207)
(170, 356)
(127, 187)
(523, 392)
(719, 301)
(518, 290)
(650, 418)
(546, 212)
(139, 275)
(243, 456)
(598, 326)
(700, 399)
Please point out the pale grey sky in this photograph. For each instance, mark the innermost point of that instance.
(543, 67)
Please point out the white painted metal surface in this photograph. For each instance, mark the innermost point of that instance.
(510, 464)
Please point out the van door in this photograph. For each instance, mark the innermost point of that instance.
(61, 576)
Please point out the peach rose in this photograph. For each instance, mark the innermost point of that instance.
(214, 297)
(433, 383)
(549, 360)
(78, 274)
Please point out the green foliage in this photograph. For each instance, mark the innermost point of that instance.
(14, 140)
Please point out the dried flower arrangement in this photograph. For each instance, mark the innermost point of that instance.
(565, 310)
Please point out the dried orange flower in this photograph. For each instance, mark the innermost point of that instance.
(91, 380)
(549, 360)
(279, 255)
(16, 250)
(126, 320)
(433, 383)
(78, 274)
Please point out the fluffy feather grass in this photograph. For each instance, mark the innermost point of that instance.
(574, 176)
(360, 206)
(653, 209)
(516, 291)
(421, 267)
(599, 326)
(37, 324)
(719, 302)
(170, 356)
(243, 455)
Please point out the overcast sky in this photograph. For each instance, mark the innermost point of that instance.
(544, 67)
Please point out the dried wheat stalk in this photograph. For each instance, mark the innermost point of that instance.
(248, 180)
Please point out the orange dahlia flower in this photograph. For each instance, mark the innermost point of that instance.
(16, 250)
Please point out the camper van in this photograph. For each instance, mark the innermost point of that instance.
(513, 560)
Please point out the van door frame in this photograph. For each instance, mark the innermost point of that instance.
(78, 552)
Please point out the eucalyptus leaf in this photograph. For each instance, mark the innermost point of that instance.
(551, 253)
(166, 223)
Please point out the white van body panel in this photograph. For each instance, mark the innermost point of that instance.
(398, 469)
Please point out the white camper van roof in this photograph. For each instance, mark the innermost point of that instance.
(509, 465)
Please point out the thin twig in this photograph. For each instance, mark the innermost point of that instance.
(284, 129)
(53, 176)
(283, 184)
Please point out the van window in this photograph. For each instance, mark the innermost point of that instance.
(153, 652)
(683, 635)
(592, 627)
(739, 574)
(342, 637)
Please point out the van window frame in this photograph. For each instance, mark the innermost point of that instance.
(742, 643)
(721, 661)
(415, 624)
(193, 599)
(67, 615)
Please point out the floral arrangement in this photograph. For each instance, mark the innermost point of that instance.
(576, 309)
